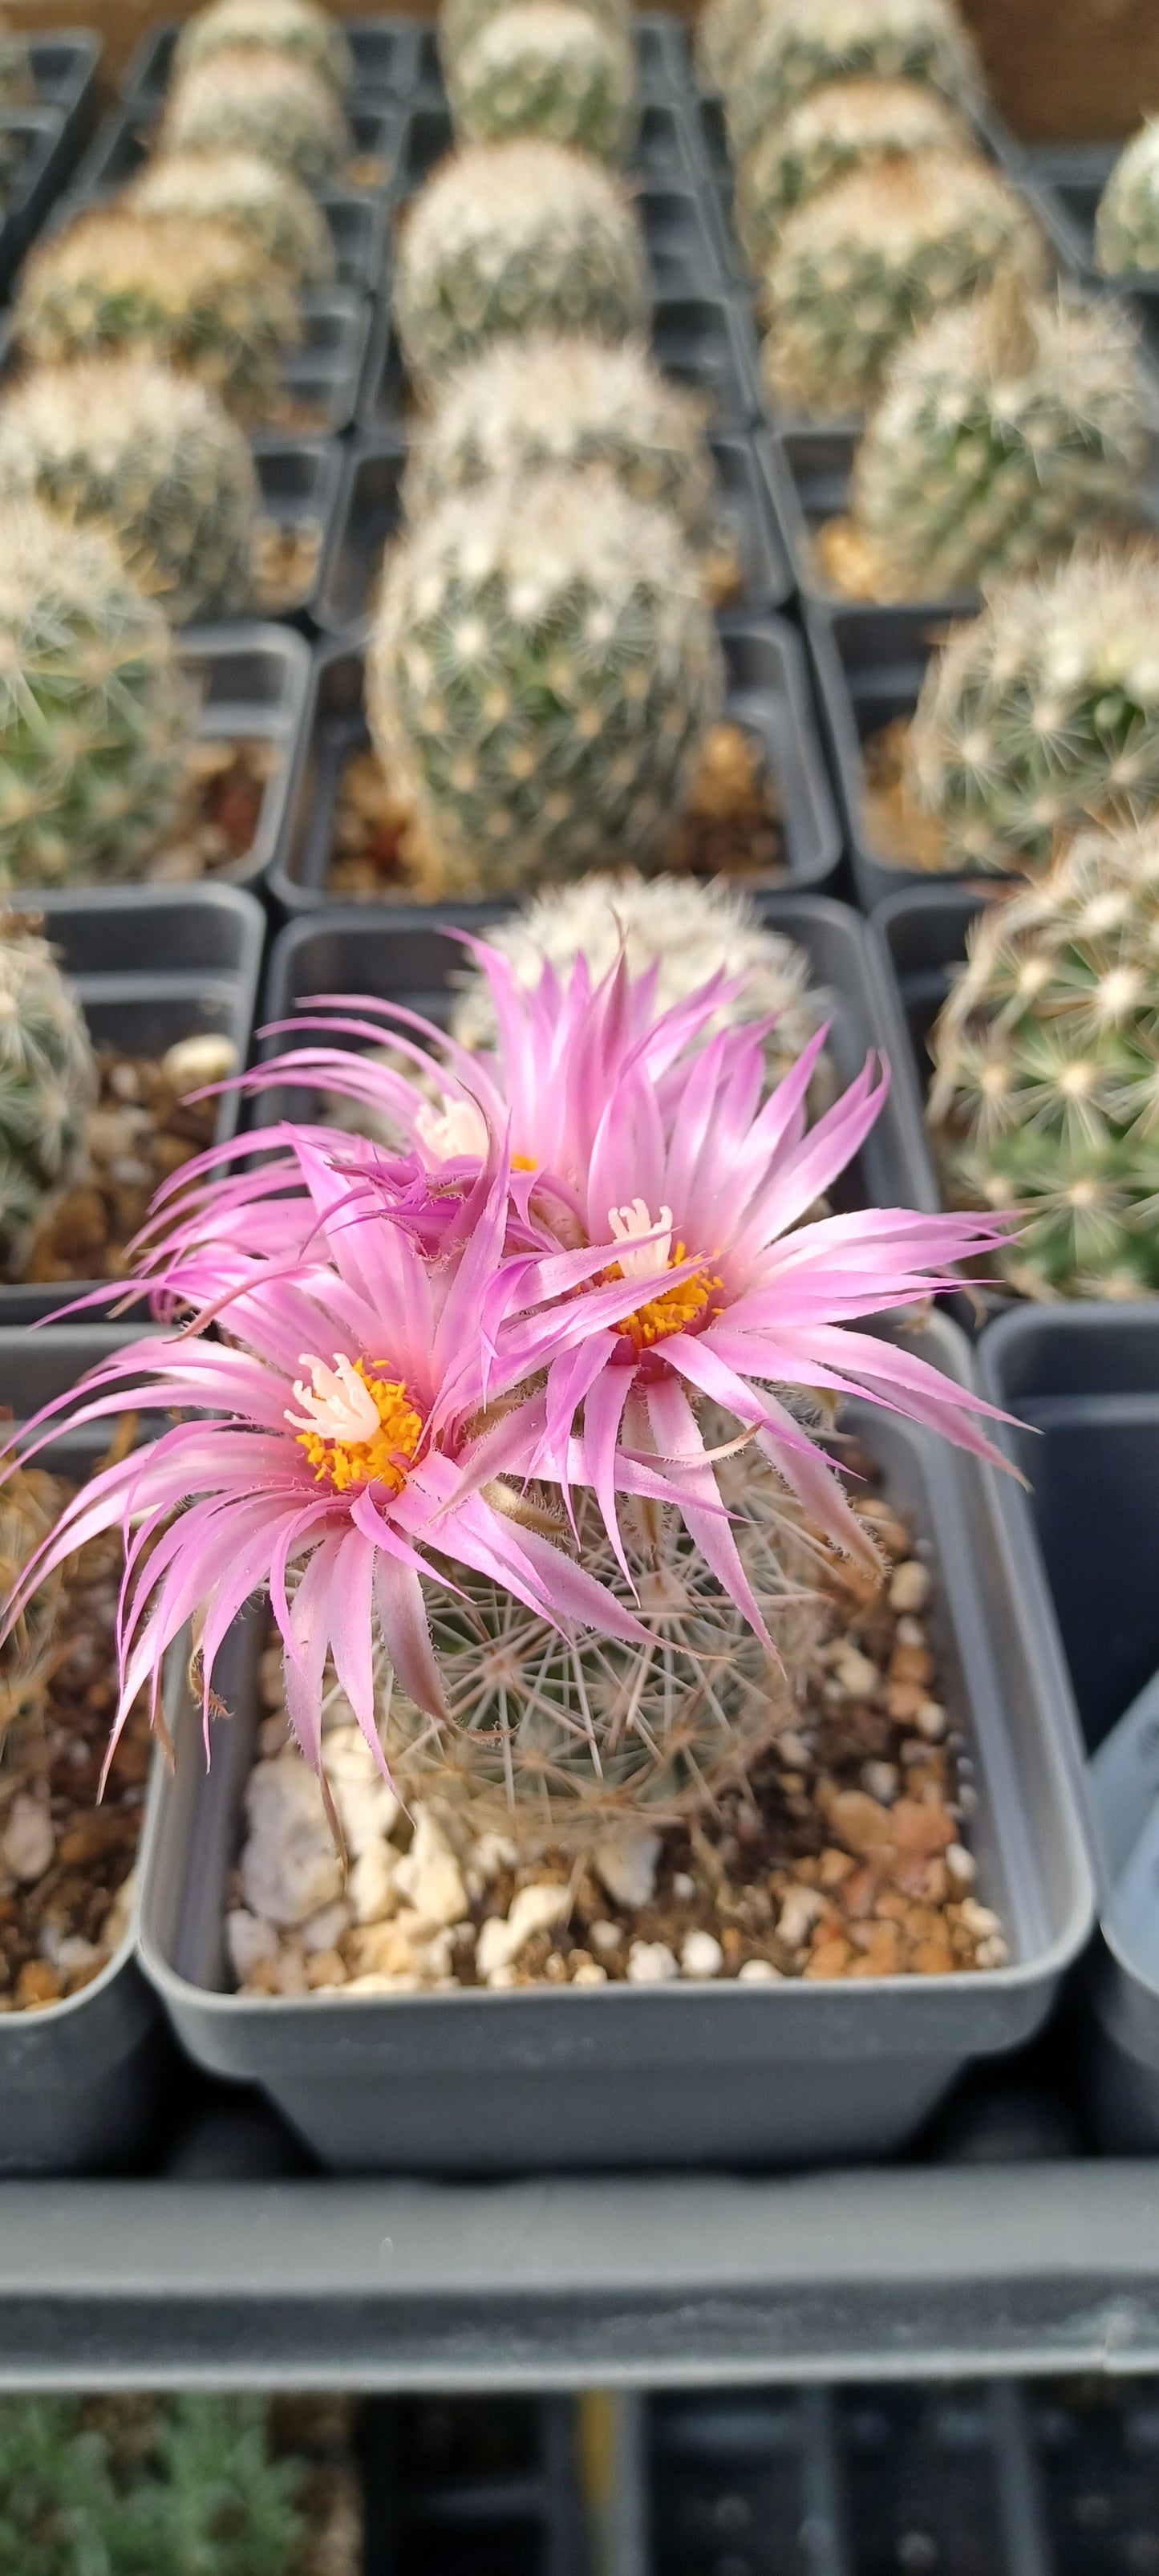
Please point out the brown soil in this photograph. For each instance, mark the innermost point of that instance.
(900, 835)
(852, 563)
(140, 1132)
(229, 781)
(285, 558)
(367, 170)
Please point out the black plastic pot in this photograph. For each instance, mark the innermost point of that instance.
(152, 964)
(300, 481)
(385, 50)
(768, 694)
(809, 471)
(253, 681)
(124, 142)
(367, 516)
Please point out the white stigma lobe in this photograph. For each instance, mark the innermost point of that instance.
(338, 1406)
(628, 1224)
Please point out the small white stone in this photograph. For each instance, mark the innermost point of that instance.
(961, 1864)
(430, 1876)
(289, 1867)
(910, 1632)
(856, 1674)
(605, 1936)
(501, 1938)
(991, 1953)
(978, 1919)
(651, 1963)
(501, 1976)
(909, 1586)
(73, 1953)
(377, 1981)
(118, 1921)
(626, 1862)
(492, 1853)
(207, 1058)
(758, 1972)
(880, 1781)
(792, 1748)
(701, 1955)
(683, 1887)
(29, 1842)
(589, 1973)
(324, 1931)
(370, 1886)
(802, 1908)
(930, 1721)
(291, 1973)
(248, 1938)
(367, 1811)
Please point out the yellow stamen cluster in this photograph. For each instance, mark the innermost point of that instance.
(382, 1460)
(672, 1311)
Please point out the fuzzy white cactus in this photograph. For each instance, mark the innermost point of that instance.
(244, 100)
(843, 127)
(268, 207)
(550, 68)
(298, 28)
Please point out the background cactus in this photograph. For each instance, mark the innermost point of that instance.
(195, 296)
(461, 21)
(140, 2484)
(47, 1086)
(17, 86)
(540, 675)
(1043, 710)
(1005, 429)
(294, 27)
(30, 1504)
(1127, 220)
(96, 717)
(511, 238)
(269, 207)
(244, 100)
(547, 68)
(722, 33)
(1045, 1092)
(834, 130)
(154, 459)
(857, 269)
(797, 50)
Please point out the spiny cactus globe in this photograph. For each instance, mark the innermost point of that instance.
(553, 401)
(30, 1505)
(540, 676)
(47, 1086)
(17, 85)
(95, 714)
(245, 100)
(462, 21)
(295, 27)
(1007, 428)
(1046, 1084)
(511, 238)
(1127, 220)
(723, 33)
(150, 456)
(798, 50)
(186, 2484)
(836, 129)
(270, 208)
(1040, 712)
(854, 271)
(546, 67)
(196, 297)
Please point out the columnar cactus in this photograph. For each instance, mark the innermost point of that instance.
(198, 298)
(546, 67)
(1045, 1095)
(569, 402)
(1127, 221)
(244, 100)
(514, 238)
(857, 269)
(294, 27)
(540, 677)
(795, 51)
(1005, 429)
(834, 130)
(1043, 710)
(150, 456)
(96, 717)
(462, 21)
(47, 1087)
(271, 210)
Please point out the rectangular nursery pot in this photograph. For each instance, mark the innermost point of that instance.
(79, 2079)
(368, 516)
(1085, 1380)
(677, 2075)
(64, 70)
(254, 681)
(300, 481)
(385, 51)
(124, 141)
(324, 372)
(46, 149)
(661, 59)
(151, 964)
(768, 695)
(809, 471)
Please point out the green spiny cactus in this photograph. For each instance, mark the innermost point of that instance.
(1040, 712)
(524, 406)
(270, 208)
(798, 50)
(1007, 428)
(294, 27)
(244, 100)
(150, 456)
(196, 297)
(842, 127)
(17, 85)
(540, 677)
(186, 2486)
(1046, 1084)
(1127, 220)
(549, 68)
(96, 717)
(859, 268)
(30, 1501)
(462, 21)
(513, 238)
(47, 1087)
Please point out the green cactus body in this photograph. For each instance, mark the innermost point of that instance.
(540, 677)
(30, 1502)
(1127, 221)
(151, 457)
(795, 51)
(47, 1087)
(273, 212)
(513, 238)
(839, 128)
(1040, 712)
(1046, 1084)
(296, 28)
(543, 67)
(1005, 429)
(183, 2484)
(858, 269)
(244, 100)
(461, 22)
(197, 298)
(96, 717)
(525, 406)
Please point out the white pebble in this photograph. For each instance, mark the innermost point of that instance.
(501, 1976)
(701, 1955)
(289, 1868)
(802, 1908)
(961, 1864)
(206, 1058)
(909, 1587)
(978, 1919)
(430, 1876)
(606, 1936)
(930, 1720)
(991, 1953)
(910, 1632)
(856, 1674)
(370, 1886)
(367, 1811)
(248, 1939)
(29, 1842)
(626, 1862)
(758, 1972)
(589, 1973)
(491, 1853)
(537, 1908)
(324, 1931)
(683, 1887)
(879, 1780)
(792, 1748)
(651, 1963)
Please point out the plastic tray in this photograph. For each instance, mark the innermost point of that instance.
(152, 964)
(768, 693)
(809, 472)
(124, 141)
(661, 58)
(254, 681)
(482, 2488)
(300, 481)
(367, 515)
(385, 50)
(664, 152)
(1066, 182)
(64, 68)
